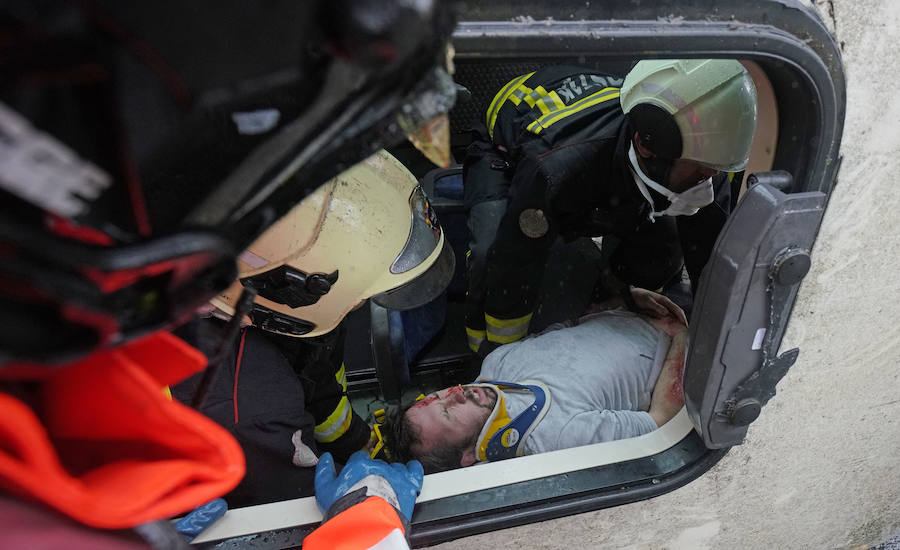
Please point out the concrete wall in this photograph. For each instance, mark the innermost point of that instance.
(819, 468)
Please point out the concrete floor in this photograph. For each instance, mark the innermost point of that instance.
(891, 544)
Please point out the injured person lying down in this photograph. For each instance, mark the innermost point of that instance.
(607, 376)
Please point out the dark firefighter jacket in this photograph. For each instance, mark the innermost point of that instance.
(565, 138)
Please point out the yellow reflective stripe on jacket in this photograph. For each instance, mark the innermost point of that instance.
(533, 95)
(505, 331)
(475, 338)
(548, 103)
(500, 99)
(341, 377)
(551, 118)
(520, 94)
(537, 99)
(337, 423)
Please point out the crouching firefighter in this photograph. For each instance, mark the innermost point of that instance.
(282, 386)
(648, 163)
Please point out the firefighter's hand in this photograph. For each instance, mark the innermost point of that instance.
(656, 305)
(396, 483)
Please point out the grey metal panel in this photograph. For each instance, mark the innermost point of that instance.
(735, 297)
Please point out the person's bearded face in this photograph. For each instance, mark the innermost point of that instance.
(452, 416)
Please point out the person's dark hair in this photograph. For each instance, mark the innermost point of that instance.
(400, 435)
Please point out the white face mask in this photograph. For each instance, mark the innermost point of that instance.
(686, 203)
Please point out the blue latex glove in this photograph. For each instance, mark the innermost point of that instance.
(404, 480)
(200, 518)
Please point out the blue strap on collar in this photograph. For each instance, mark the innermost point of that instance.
(506, 442)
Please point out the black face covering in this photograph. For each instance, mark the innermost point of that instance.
(658, 169)
(659, 133)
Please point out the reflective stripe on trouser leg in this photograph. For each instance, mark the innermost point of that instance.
(504, 331)
(341, 377)
(475, 337)
(486, 187)
(484, 219)
(337, 423)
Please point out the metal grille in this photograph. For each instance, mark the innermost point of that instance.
(483, 79)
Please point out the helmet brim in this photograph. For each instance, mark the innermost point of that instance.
(424, 288)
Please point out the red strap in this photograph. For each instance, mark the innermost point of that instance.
(237, 372)
(357, 528)
(86, 234)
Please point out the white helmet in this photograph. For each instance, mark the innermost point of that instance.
(697, 109)
(368, 233)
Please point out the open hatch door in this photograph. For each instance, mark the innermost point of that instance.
(746, 293)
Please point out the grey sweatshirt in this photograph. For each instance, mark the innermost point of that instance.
(601, 371)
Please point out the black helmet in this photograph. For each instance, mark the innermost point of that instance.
(144, 145)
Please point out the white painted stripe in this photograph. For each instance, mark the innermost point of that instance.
(495, 474)
(303, 511)
(264, 517)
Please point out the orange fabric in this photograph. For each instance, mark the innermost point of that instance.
(356, 528)
(104, 445)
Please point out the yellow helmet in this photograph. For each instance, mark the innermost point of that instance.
(367, 233)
